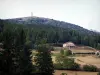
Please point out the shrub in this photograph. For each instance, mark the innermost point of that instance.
(71, 66)
(67, 52)
(75, 66)
(89, 68)
(58, 66)
(98, 73)
(63, 74)
(64, 63)
(62, 52)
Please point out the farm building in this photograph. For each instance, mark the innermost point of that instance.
(97, 53)
(69, 45)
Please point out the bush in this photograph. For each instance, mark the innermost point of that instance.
(72, 66)
(68, 52)
(58, 67)
(64, 63)
(89, 68)
(75, 66)
(98, 73)
(62, 52)
(63, 74)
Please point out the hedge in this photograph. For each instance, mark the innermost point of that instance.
(90, 68)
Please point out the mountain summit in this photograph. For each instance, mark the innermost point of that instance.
(51, 22)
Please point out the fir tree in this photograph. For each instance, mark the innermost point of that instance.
(43, 60)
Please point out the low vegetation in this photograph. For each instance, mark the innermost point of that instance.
(68, 52)
(62, 52)
(98, 73)
(63, 74)
(90, 68)
(68, 72)
(65, 63)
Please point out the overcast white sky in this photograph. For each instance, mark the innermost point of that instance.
(85, 13)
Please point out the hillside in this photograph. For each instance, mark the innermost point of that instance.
(45, 21)
(39, 29)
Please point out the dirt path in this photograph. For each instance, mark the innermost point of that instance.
(58, 72)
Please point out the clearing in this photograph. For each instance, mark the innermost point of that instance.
(89, 60)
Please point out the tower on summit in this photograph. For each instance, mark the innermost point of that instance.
(31, 14)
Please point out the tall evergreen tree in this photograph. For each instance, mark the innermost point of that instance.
(6, 55)
(25, 63)
(15, 59)
(43, 60)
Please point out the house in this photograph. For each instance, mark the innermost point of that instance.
(69, 45)
(97, 53)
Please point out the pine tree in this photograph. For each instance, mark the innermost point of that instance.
(43, 60)
(6, 58)
(25, 63)
(16, 57)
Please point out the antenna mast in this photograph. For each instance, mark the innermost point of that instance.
(31, 14)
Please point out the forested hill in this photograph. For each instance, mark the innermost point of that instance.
(39, 30)
(45, 21)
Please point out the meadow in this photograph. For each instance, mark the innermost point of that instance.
(82, 59)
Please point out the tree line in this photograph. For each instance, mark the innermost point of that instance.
(55, 35)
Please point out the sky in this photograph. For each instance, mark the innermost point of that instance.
(85, 13)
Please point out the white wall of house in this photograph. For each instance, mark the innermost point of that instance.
(64, 45)
(97, 53)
